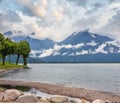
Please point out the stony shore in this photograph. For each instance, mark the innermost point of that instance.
(17, 96)
(83, 94)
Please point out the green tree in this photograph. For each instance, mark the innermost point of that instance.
(22, 48)
(5, 49)
(11, 48)
(25, 51)
(1, 37)
(18, 51)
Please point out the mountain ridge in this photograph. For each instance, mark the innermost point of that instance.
(82, 46)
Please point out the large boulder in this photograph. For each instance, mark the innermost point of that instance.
(44, 100)
(27, 98)
(84, 101)
(75, 100)
(60, 99)
(98, 101)
(11, 95)
(1, 96)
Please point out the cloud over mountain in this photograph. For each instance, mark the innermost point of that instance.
(56, 19)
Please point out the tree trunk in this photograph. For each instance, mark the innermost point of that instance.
(9, 58)
(3, 59)
(24, 60)
(18, 56)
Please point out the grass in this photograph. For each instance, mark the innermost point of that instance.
(10, 66)
(21, 88)
(2, 89)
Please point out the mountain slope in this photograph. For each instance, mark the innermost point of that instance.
(81, 46)
(85, 37)
(36, 44)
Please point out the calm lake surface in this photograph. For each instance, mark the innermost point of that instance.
(103, 77)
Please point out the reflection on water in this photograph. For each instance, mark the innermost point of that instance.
(104, 77)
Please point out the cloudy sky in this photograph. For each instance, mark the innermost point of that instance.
(57, 19)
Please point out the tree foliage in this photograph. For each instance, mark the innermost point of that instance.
(8, 48)
(23, 48)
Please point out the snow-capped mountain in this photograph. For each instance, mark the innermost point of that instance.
(85, 37)
(81, 46)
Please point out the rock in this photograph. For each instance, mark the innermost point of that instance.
(75, 100)
(107, 101)
(60, 99)
(44, 100)
(98, 101)
(11, 95)
(1, 96)
(85, 101)
(78, 101)
(27, 98)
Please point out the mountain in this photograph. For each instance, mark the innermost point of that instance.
(82, 46)
(8, 33)
(36, 44)
(85, 37)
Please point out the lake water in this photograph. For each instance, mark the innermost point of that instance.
(103, 77)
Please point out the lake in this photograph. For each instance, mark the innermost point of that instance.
(103, 77)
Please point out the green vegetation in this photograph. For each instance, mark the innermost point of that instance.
(8, 48)
(21, 88)
(10, 66)
(2, 89)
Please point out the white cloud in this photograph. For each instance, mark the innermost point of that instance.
(37, 8)
(100, 49)
(46, 53)
(92, 43)
(55, 50)
(57, 19)
(58, 14)
(83, 52)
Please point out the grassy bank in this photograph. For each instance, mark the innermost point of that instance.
(10, 66)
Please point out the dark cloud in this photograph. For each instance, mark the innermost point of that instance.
(1, 1)
(116, 19)
(85, 22)
(79, 2)
(8, 19)
(114, 22)
(10, 16)
(26, 11)
(113, 26)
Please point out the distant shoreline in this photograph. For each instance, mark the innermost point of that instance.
(61, 90)
(74, 63)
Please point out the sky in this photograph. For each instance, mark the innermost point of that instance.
(57, 19)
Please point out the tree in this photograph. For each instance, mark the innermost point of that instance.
(11, 47)
(1, 37)
(8, 47)
(18, 51)
(22, 48)
(25, 50)
(5, 49)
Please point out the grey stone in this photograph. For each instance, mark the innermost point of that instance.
(60, 99)
(11, 95)
(27, 98)
(84, 101)
(98, 101)
(1, 96)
